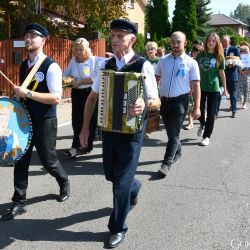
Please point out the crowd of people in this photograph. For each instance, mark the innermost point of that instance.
(176, 84)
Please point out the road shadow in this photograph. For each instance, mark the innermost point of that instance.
(52, 230)
(30, 201)
(64, 137)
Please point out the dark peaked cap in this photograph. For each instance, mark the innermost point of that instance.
(123, 24)
(36, 29)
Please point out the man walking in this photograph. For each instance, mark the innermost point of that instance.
(121, 151)
(231, 73)
(40, 97)
(178, 73)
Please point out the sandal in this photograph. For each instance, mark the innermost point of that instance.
(188, 127)
(71, 153)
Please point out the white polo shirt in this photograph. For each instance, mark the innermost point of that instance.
(176, 74)
(147, 70)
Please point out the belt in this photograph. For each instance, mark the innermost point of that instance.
(88, 89)
(169, 99)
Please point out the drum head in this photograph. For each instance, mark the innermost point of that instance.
(15, 130)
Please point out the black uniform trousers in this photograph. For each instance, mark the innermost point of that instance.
(79, 97)
(120, 158)
(44, 139)
(173, 111)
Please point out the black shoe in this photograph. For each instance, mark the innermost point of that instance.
(71, 153)
(164, 170)
(10, 214)
(234, 115)
(87, 150)
(115, 239)
(64, 192)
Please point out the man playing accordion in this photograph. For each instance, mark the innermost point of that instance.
(121, 151)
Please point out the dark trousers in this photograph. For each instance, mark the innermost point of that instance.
(209, 102)
(120, 158)
(231, 87)
(173, 112)
(44, 139)
(79, 97)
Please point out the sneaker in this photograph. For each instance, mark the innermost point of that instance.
(164, 170)
(205, 142)
(200, 131)
(234, 115)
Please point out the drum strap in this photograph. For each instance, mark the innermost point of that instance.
(33, 72)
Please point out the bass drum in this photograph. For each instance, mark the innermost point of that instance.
(15, 130)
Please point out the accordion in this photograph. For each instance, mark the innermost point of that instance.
(117, 91)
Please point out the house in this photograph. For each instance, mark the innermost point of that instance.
(220, 20)
(135, 11)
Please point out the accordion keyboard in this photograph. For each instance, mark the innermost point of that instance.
(102, 104)
(129, 99)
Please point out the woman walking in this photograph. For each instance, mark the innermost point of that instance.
(212, 64)
(82, 68)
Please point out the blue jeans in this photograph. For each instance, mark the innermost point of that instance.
(173, 112)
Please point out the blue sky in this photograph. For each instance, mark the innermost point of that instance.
(217, 6)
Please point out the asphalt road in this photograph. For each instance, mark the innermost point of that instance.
(203, 204)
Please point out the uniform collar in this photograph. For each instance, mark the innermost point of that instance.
(182, 55)
(126, 58)
(36, 59)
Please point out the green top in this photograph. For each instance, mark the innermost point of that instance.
(154, 62)
(210, 78)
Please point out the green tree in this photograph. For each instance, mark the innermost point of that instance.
(185, 19)
(95, 14)
(242, 13)
(156, 17)
(139, 46)
(234, 37)
(203, 16)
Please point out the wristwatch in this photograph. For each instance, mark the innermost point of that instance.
(29, 94)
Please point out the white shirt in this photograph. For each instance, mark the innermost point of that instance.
(81, 71)
(53, 77)
(176, 74)
(147, 70)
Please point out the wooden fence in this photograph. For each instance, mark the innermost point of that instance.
(12, 53)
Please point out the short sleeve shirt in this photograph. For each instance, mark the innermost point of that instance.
(176, 74)
(209, 70)
(81, 70)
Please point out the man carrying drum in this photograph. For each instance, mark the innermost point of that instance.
(40, 97)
